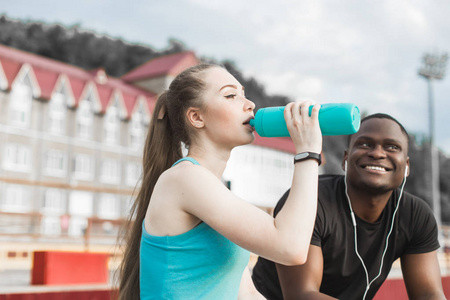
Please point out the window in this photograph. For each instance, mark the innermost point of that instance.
(17, 158)
(51, 226)
(77, 226)
(111, 123)
(83, 167)
(80, 208)
(110, 171)
(20, 105)
(85, 116)
(81, 204)
(55, 163)
(57, 113)
(109, 207)
(16, 198)
(54, 202)
(133, 173)
(137, 127)
(127, 204)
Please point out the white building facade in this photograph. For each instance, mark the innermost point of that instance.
(70, 153)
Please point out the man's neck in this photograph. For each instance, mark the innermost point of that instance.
(368, 206)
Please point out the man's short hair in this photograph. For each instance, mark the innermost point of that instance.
(383, 116)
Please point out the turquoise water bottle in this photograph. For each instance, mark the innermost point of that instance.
(334, 119)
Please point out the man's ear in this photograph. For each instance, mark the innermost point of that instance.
(195, 117)
(344, 160)
(407, 167)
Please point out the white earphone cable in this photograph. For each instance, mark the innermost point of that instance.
(368, 284)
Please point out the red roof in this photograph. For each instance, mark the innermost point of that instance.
(129, 100)
(11, 69)
(172, 64)
(104, 93)
(77, 87)
(37, 61)
(46, 81)
(280, 143)
(47, 71)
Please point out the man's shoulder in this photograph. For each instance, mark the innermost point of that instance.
(330, 187)
(326, 182)
(415, 203)
(330, 177)
(412, 197)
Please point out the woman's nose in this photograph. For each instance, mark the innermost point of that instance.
(249, 105)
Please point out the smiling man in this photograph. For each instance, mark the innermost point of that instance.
(365, 221)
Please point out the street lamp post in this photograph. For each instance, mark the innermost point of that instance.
(433, 69)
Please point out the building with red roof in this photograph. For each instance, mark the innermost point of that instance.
(71, 146)
(156, 74)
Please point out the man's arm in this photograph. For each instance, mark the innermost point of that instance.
(303, 282)
(422, 276)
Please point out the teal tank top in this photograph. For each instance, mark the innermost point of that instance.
(198, 264)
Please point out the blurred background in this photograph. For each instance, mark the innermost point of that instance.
(78, 82)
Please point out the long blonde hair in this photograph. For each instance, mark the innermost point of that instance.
(168, 129)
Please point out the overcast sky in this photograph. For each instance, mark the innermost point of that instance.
(365, 52)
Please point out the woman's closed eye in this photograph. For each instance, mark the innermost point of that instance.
(230, 96)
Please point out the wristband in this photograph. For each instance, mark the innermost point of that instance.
(308, 155)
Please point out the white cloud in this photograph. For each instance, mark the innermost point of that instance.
(292, 84)
(332, 51)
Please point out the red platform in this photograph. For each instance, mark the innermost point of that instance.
(395, 289)
(57, 267)
(391, 289)
(67, 295)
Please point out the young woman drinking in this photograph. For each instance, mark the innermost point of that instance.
(190, 236)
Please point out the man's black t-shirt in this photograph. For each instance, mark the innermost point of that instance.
(414, 231)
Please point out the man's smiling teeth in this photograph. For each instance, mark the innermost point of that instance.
(375, 168)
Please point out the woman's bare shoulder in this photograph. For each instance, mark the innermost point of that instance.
(184, 172)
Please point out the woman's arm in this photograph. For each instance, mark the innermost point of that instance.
(284, 239)
(303, 282)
